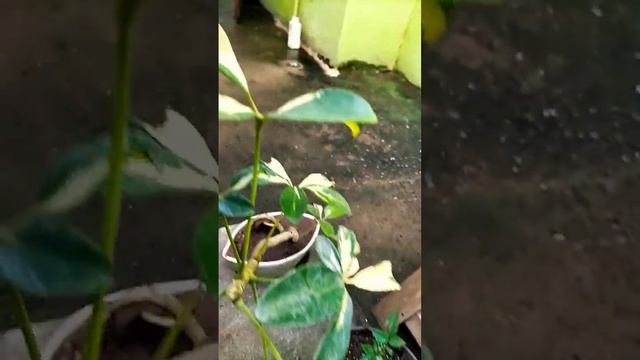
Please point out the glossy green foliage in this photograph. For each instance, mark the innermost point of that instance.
(335, 341)
(230, 109)
(227, 63)
(172, 156)
(206, 248)
(384, 341)
(234, 205)
(293, 203)
(46, 257)
(327, 106)
(324, 106)
(328, 254)
(305, 296)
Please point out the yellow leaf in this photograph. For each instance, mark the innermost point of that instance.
(354, 127)
(378, 277)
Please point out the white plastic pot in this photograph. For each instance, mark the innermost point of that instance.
(157, 293)
(275, 268)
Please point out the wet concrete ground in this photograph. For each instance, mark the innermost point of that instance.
(378, 172)
(532, 182)
(56, 75)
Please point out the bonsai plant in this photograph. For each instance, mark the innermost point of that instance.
(44, 256)
(314, 292)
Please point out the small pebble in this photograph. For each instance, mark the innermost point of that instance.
(595, 10)
(559, 237)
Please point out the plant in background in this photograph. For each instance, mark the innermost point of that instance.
(314, 292)
(385, 342)
(44, 256)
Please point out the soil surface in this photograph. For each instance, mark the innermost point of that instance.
(531, 178)
(261, 229)
(56, 66)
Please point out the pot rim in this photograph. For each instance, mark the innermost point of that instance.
(78, 318)
(273, 263)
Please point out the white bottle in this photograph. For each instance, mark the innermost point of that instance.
(295, 32)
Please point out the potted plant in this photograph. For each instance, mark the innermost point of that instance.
(317, 291)
(379, 344)
(44, 256)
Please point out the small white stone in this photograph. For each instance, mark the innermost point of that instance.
(559, 237)
(595, 10)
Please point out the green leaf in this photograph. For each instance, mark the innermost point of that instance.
(316, 180)
(293, 203)
(305, 296)
(227, 63)
(396, 341)
(392, 323)
(327, 106)
(315, 210)
(275, 173)
(336, 205)
(347, 249)
(182, 139)
(378, 277)
(49, 258)
(143, 177)
(327, 229)
(232, 110)
(335, 341)
(206, 249)
(328, 253)
(379, 335)
(75, 177)
(235, 205)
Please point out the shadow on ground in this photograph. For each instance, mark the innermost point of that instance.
(532, 179)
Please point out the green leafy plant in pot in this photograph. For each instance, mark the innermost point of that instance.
(317, 291)
(44, 256)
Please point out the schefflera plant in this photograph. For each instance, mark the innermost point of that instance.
(314, 292)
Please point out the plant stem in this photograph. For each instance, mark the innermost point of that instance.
(254, 289)
(25, 324)
(263, 280)
(236, 254)
(113, 198)
(247, 312)
(169, 339)
(265, 352)
(254, 189)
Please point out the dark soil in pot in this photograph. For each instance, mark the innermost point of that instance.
(127, 336)
(360, 337)
(261, 228)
